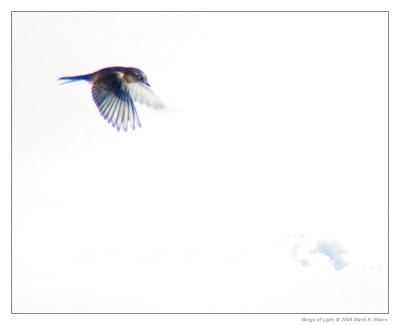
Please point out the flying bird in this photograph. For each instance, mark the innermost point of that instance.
(115, 91)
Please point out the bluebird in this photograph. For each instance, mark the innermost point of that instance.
(115, 91)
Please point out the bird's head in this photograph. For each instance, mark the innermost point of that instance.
(137, 75)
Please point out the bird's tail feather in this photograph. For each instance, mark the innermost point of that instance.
(86, 77)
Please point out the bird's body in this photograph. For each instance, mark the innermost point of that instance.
(115, 91)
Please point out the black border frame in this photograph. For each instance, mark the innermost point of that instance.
(206, 11)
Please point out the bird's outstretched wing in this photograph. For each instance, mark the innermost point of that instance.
(143, 94)
(113, 99)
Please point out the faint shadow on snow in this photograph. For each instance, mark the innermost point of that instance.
(320, 254)
(334, 251)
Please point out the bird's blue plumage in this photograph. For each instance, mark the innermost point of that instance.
(114, 91)
(86, 77)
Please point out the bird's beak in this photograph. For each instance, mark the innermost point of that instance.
(146, 83)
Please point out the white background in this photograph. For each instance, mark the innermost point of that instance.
(277, 138)
(159, 87)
